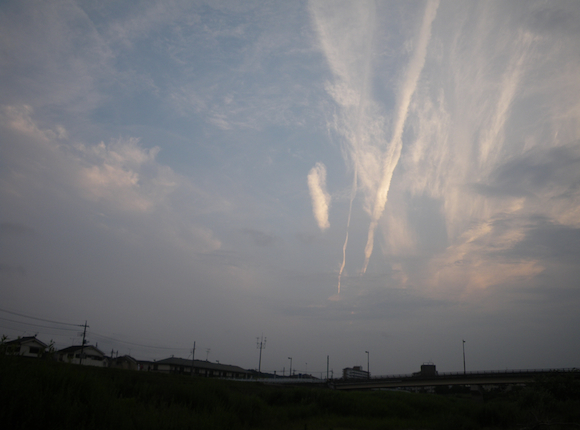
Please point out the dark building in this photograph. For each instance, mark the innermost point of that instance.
(427, 369)
(355, 372)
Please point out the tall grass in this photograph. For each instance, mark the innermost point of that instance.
(36, 393)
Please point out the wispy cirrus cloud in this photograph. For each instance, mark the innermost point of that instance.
(346, 35)
(460, 113)
(391, 158)
(484, 148)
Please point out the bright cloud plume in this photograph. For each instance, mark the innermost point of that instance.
(391, 158)
(347, 38)
(319, 195)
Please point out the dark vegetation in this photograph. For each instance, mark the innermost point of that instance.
(38, 393)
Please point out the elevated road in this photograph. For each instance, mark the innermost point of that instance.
(459, 378)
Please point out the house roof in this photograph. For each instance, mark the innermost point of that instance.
(123, 358)
(200, 364)
(75, 348)
(26, 339)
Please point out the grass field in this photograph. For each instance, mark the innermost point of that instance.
(39, 393)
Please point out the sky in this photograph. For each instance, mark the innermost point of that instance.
(338, 177)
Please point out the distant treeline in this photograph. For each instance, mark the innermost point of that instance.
(45, 394)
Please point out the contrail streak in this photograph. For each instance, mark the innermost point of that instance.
(391, 158)
(352, 195)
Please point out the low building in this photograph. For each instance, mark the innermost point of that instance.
(427, 369)
(87, 356)
(124, 362)
(355, 372)
(28, 346)
(200, 368)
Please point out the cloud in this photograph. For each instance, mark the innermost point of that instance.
(476, 260)
(489, 137)
(121, 173)
(159, 153)
(124, 174)
(8, 269)
(319, 195)
(546, 240)
(544, 180)
(391, 158)
(16, 229)
(248, 89)
(119, 180)
(347, 38)
(259, 237)
(542, 170)
(305, 238)
(54, 56)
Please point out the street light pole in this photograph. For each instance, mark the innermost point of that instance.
(261, 344)
(464, 357)
(368, 368)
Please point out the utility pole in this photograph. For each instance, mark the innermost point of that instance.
(368, 367)
(464, 357)
(290, 373)
(260, 344)
(192, 358)
(83, 345)
(327, 362)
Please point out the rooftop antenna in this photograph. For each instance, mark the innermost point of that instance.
(260, 344)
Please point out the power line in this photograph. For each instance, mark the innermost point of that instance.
(36, 325)
(92, 333)
(41, 319)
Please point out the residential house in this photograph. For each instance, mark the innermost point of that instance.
(88, 355)
(200, 368)
(28, 346)
(123, 362)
